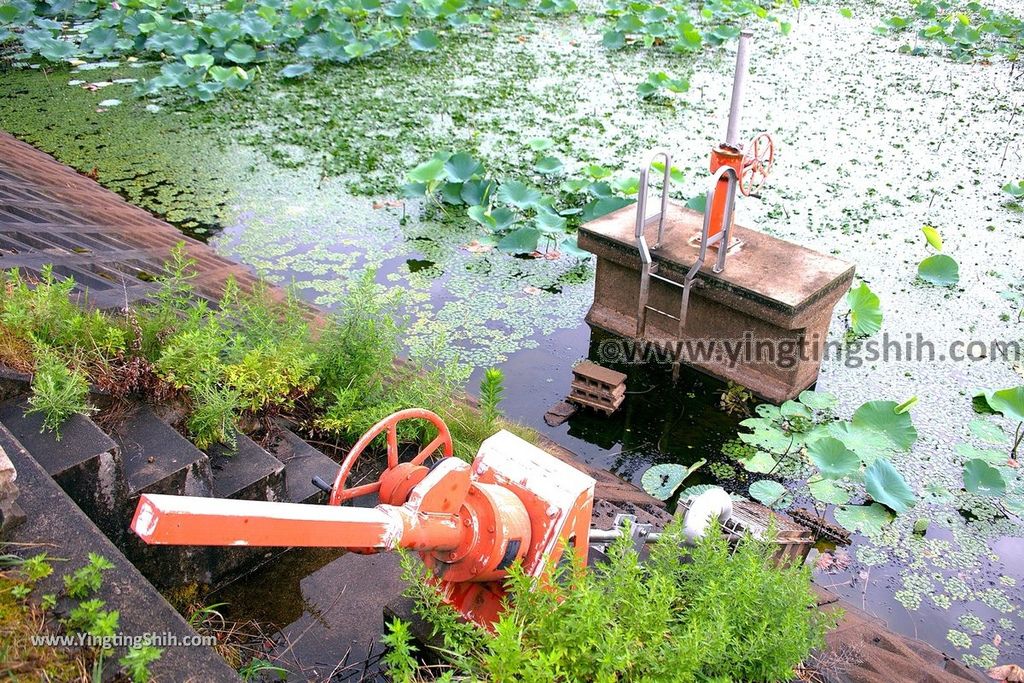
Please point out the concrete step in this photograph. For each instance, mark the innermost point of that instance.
(302, 462)
(246, 473)
(157, 459)
(56, 524)
(84, 461)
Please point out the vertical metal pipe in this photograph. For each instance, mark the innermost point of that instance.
(732, 135)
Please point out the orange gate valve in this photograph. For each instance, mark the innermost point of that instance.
(752, 163)
(470, 523)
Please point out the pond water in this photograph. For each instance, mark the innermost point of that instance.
(872, 143)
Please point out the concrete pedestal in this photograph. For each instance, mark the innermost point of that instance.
(762, 323)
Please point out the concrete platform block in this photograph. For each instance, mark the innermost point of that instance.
(85, 462)
(157, 459)
(302, 463)
(247, 473)
(763, 322)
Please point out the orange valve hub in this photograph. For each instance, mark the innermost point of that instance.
(495, 533)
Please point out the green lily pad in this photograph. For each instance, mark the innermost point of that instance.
(760, 462)
(661, 481)
(518, 194)
(767, 492)
(832, 458)
(866, 519)
(795, 409)
(882, 417)
(481, 216)
(1009, 402)
(461, 167)
(429, 171)
(887, 486)
(549, 166)
(969, 452)
(613, 40)
(424, 41)
(987, 431)
(983, 479)
(520, 241)
(295, 70)
(829, 492)
(240, 53)
(571, 248)
(199, 60)
(939, 270)
(865, 310)
(817, 400)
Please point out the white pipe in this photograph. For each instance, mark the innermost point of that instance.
(732, 135)
(714, 504)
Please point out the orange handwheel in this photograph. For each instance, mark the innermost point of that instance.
(757, 163)
(340, 494)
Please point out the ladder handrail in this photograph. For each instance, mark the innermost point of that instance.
(646, 266)
(642, 220)
(723, 234)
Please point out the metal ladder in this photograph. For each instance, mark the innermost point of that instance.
(649, 270)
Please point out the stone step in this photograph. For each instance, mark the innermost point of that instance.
(157, 459)
(82, 459)
(246, 473)
(54, 523)
(302, 463)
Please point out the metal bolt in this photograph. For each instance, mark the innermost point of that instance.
(490, 529)
(467, 522)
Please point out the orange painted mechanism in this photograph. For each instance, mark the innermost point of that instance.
(470, 523)
(752, 163)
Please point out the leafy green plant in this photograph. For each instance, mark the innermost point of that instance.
(89, 617)
(400, 657)
(272, 376)
(256, 668)
(45, 312)
(86, 580)
(521, 217)
(832, 461)
(658, 83)
(717, 614)
(214, 416)
(990, 472)
(491, 389)
(209, 49)
(735, 399)
(966, 30)
(650, 23)
(937, 269)
(865, 311)
(1016, 193)
(137, 659)
(58, 392)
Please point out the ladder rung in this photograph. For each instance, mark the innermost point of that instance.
(660, 312)
(666, 280)
(652, 219)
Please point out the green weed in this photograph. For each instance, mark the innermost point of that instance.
(686, 614)
(58, 392)
(137, 660)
